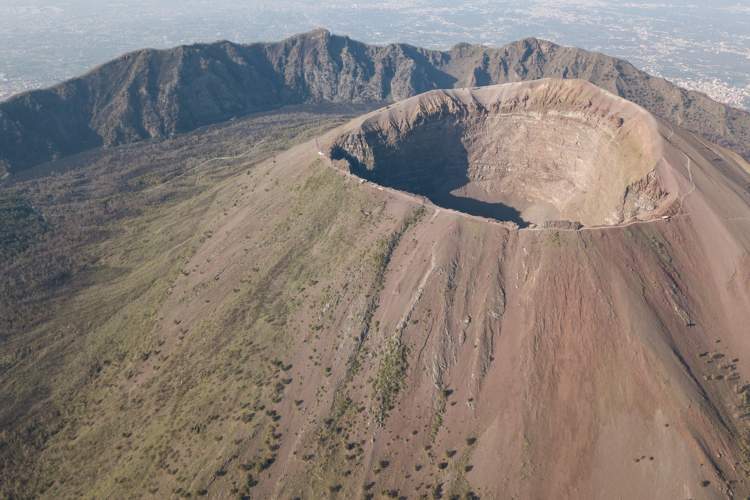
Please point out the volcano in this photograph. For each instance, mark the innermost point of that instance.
(564, 307)
(530, 290)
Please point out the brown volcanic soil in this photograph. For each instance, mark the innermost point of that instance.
(539, 152)
(326, 337)
(606, 362)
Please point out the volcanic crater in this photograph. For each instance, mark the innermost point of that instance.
(530, 153)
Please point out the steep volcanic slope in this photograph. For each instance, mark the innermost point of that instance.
(608, 362)
(155, 94)
(535, 363)
(317, 336)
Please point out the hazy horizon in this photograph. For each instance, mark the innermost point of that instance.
(700, 46)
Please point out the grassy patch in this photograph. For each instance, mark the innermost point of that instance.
(554, 239)
(20, 225)
(99, 405)
(390, 377)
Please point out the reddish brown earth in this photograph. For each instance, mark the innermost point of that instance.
(608, 361)
(598, 349)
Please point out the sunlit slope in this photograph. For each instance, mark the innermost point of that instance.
(285, 330)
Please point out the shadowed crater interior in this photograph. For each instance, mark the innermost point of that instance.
(534, 152)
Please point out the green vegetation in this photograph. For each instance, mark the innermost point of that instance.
(661, 249)
(20, 225)
(386, 245)
(108, 396)
(381, 257)
(390, 376)
(554, 239)
(335, 448)
(393, 362)
(437, 416)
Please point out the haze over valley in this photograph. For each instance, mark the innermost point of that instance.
(699, 45)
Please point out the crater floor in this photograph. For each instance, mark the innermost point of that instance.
(530, 152)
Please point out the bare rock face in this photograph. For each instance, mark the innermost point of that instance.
(549, 150)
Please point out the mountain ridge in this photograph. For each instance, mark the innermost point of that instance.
(154, 94)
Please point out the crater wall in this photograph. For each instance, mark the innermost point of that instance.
(531, 152)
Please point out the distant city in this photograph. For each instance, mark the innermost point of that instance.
(702, 46)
